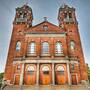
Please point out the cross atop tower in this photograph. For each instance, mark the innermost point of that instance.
(45, 19)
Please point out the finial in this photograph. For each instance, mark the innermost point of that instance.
(45, 18)
(26, 3)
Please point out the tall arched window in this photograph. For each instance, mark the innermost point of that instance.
(18, 67)
(31, 48)
(45, 47)
(18, 46)
(72, 45)
(58, 47)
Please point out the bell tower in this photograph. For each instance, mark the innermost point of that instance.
(66, 15)
(67, 20)
(23, 20)
(24, 15)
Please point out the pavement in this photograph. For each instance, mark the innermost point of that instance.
(48, 87)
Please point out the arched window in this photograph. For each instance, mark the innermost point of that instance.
(72, 66)
(18, 46)
(31, 48)
(18, 67)
(60, 70)
(30, 70)
(45, 47)
(58, 47)
(70, 15)
(72, 45)
(45, 69)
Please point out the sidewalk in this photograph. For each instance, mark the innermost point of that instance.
(49, 87)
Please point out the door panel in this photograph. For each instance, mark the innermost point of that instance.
(30, 79)
(60, 79)
(74, 80)
(17, 79)
(45, 79)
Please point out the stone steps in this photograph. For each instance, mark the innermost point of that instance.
(48, 87)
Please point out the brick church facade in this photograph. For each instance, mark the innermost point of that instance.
(45, 54)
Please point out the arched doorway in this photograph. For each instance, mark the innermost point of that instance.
(74, 79)
(17, 79)
(60, 75)
(45, 74)
(30, 75)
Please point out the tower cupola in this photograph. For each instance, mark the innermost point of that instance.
(24, 15)
(66, 15)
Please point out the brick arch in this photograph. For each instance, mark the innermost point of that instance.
(30, 65)
(45, 65)
(61, 66)
(42, 41)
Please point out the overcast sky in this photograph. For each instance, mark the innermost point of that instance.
(42, 8)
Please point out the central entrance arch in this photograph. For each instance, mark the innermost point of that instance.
(45, 74)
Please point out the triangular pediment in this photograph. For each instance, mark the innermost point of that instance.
(45, 27)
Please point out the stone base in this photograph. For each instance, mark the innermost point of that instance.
(48, 87)
(84, 82)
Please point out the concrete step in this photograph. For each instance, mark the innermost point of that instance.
(48, 87)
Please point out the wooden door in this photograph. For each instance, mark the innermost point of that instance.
(60, 79)
(17, 79)
(45, 79)
(30, 78)
(74, 80)
(60, 74)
